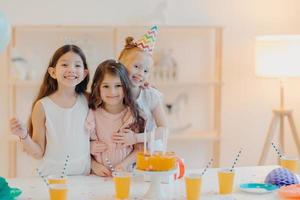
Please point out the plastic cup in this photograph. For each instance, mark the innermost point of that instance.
(290, 163)
(122, 184)
(56, 179)
(193, 186)
(226, 180)
(58, 192)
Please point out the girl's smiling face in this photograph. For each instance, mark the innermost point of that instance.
(138, 65)
(69, 70)
(111, 90)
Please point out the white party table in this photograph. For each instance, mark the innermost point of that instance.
(97, 188)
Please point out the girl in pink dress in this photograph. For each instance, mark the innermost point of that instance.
(112, 109)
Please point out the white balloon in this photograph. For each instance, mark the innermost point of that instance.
(5, 32)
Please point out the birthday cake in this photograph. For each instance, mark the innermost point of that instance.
(158, 161)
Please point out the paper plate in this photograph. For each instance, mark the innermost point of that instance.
(258, 188)
(15, 192)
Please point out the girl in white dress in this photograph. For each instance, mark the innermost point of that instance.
(56, 124)
(137, 58)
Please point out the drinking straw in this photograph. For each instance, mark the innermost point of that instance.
(109, 164)
(276, 149)
(236, 159)
(207, 166)
(63, 173)
(42, 176)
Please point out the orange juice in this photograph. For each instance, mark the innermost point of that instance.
(58, 192)
(289, 163)
(226, 179)
(156, 162)
(169, 160)
(142, 161)
(56, 179)
(193, 186)
(122, 184)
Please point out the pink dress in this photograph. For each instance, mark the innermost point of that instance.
(101, 125)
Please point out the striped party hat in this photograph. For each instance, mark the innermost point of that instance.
(147, 42)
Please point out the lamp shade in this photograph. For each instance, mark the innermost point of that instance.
(277, 56)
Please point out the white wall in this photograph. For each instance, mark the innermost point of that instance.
(3, 116)
(247, 100)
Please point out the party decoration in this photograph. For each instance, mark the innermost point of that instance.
(147, 42)
(6, 192)
(5, 32)
(290, 192)
(281, 177)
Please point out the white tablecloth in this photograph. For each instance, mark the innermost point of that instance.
(97, 188)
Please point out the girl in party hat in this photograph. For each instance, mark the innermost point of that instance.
(137, 58)
(56, 124)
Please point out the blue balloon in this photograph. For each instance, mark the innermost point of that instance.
(5, 32)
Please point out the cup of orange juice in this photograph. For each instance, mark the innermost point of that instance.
(122, 184)
(290, 163)
(56, 179)
(226, 180)
(58, 191)
(193, 186)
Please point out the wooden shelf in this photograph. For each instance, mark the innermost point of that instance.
(24, 83)
(35, 83)
(10, 137)
(189, 84)
(209, 136)
(204, 59)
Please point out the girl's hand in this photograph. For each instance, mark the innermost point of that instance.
(120, 168)
(18, 128)
(97, 147)
(146, 85)
(126, 137)
(100, 170)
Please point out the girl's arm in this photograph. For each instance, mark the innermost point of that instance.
(160, 118)
(35, 146)
(130, 159)
(96, 145)
(127, 137)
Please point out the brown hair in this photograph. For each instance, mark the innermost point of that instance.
(116, 69)
(49, 84)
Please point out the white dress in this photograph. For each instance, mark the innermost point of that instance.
(147, 100)
(66, 135)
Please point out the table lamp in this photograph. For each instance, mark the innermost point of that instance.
(278, 56)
